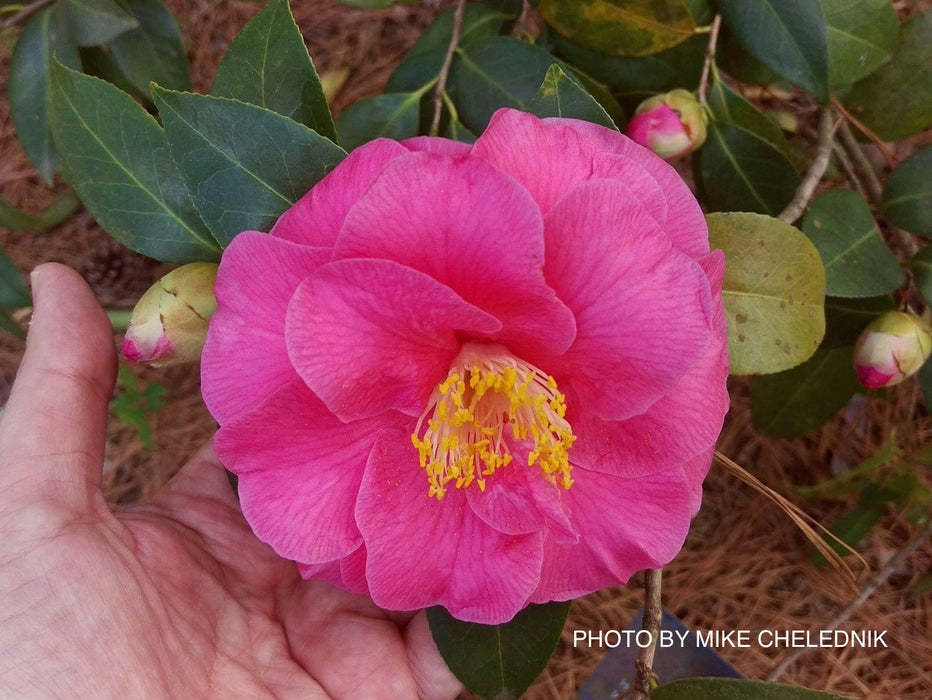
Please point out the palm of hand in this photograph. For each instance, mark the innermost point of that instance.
(176, 598)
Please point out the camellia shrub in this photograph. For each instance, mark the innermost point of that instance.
(468, 344)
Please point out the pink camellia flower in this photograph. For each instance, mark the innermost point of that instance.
(894, 346)
(474, 376)
(670, 125)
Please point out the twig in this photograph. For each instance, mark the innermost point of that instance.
(892, 565)
(25, 13)
(875, 139)
(853, 148)
(800, 200)
(845, 162)
(709, 58)
(445, 68)
(653, 614)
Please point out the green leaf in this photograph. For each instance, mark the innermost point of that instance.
(792, 403)
(861, 37)
(788, 36)
(15, 219)
(846, 318)
(907, 194)
(96, 22)
(621, 27)
(734, 689)
(728, 107)
(854, 525)
(423, 62)
(496, 72)
(845, 484)
(773, 290)
(857, 261)
(99, 62)
(44, 36)
(740, 171)
(268, 65)
(153, 52)
(561, 96)
(244, 165)
(499, 661)
(456, 131)
(115, 155)
(921, 266)
(639, 77)
(896, 100)
(392, 115)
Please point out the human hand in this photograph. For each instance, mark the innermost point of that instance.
(175, 598)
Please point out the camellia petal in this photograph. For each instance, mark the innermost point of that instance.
(316, 218)
(255, 338)
(491, 254)
(371, 335)
(623, 287)
(475, 571)
(287, 490)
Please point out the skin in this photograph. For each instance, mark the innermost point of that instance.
(175, 598)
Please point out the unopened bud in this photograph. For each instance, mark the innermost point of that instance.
(169, 324)
(670, 125)
(892, 347)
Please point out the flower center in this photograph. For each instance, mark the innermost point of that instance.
(486, 390)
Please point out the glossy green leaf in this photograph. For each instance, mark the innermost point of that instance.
(456, 131)
(861, 37)
(740, 171)
(392, 115)
(605, 99)
(499, 661)
(99, 62)
(896, 100)
(422, 63)
(729, 107)
(15, 219)
(921, 266)
(268, 65)
(907, 194)
(496, 72)
(154, 52)
(846, 318)
(638, 77)
(621, 27)
(856, 259)
(561, 96)
(788, 36)
(95, 22)
(115, 155)
(800, 400)
(734, 689)
(44, 35)
(244, 165)
(13, 295)
(773, 292)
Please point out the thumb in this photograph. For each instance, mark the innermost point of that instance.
(53, 430)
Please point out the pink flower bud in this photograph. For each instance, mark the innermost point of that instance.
(671, 125)
(892, 347)
(169, 324)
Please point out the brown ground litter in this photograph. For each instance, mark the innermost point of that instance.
(745, 566)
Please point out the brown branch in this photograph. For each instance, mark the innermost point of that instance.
(653, 614)
(891, 566)
(445, 68)
(709, 58)
(25, 13)
(874, 138)
(816, 171)
(856, 153)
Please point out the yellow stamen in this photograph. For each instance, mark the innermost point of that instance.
(486, 390)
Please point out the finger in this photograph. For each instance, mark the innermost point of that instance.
(53, 430)
(434, 678)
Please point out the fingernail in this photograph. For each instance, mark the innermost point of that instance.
(34, 283)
